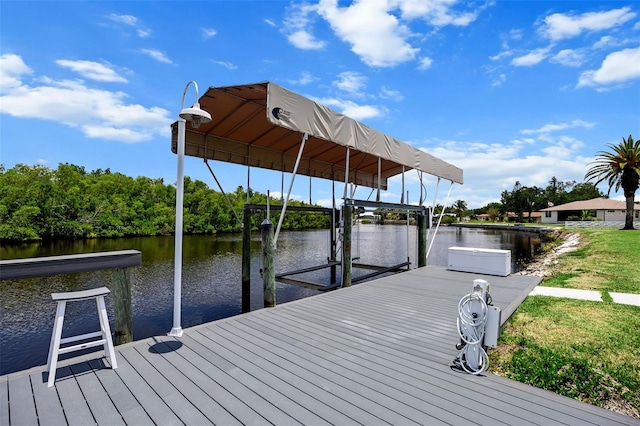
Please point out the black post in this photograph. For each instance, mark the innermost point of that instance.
(268, 270)
(422, 239)
(246, 260)
(346, 246)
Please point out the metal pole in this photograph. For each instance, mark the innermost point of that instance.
(176, 331)
(293, 177)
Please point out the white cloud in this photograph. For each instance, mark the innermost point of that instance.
(532, 58)
(559, 26)
(305, 40)
(130, 21)
(12, 69)
(305, 78)
(208, 33)
(617, 67)
(378, 31)
(351, 82)
(157, 55)
(386, 93)
(270, 23)
(298, 28)
(352, 109)
(227, 65)
(92, 70)
(499, 81)
(64, 101)
(556, 127)
(490, 168)
(438, 13)
(569, 57)
(375, 35)
(425, 63)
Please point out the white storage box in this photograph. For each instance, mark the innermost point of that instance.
(481, 261)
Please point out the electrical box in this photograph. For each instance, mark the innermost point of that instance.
(492, 327)
(481, 261)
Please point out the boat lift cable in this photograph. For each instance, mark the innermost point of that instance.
(222, 191)
(435, 198)
(439, 219)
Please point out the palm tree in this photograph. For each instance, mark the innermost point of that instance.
(620, 168)
(459, 208)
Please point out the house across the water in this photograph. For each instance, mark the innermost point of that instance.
(601, 208)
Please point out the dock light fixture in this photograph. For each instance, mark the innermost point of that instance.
(196, 116)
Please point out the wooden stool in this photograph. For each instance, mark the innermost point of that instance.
(104, 333)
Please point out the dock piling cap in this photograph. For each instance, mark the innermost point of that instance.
(266, 224)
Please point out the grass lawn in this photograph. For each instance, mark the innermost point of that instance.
(584, 350)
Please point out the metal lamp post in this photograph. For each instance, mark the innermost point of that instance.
(195, 116)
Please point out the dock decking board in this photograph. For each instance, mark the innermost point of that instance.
(375, 353)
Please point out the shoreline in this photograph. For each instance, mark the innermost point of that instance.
(541, 265)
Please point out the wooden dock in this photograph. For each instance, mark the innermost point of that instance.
(376, 353)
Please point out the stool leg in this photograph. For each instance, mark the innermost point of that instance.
(56, 335)
(106, 332)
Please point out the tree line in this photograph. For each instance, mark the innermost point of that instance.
(527, 199)
(39, 203)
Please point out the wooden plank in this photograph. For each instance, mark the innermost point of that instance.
(146, 396)
(48, 403)
(314, 385)
(274, 383)
(379, 376)
(123, 400)
(411, 372)
(354, 389)
(97, 399)
(4, 401)
(22, 408)
(53, 265)
(73, 403)
(248, 400)
(198, 388)
(172, 397)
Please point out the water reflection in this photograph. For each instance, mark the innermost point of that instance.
(211, 279)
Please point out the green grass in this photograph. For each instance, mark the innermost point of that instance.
(581, 349)
(608, 261)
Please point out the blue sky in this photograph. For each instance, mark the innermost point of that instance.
(506, 90)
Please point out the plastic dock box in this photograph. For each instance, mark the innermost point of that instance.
(482, 261)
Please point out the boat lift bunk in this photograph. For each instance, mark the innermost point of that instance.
(267, 126)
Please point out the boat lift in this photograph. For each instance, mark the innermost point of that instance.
(267, 126)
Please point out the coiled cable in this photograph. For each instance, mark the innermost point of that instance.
(472, 318)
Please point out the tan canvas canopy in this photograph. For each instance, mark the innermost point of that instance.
(262, 125)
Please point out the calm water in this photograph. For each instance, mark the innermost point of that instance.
(211, 286)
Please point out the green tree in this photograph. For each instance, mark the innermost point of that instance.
(459, 208)
(621, 169)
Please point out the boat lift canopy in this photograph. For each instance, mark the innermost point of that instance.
(263, 124)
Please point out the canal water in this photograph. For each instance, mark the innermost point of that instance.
(211, 286)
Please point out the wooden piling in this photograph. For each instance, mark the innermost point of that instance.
(346, 245)
(246, 260)
(422, 239)
(268, 269)
(121, 281)
(332, 246)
